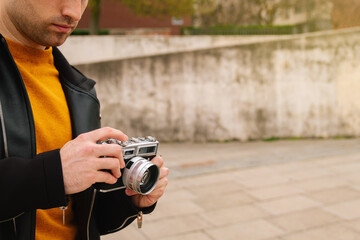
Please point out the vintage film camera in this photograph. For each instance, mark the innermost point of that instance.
(139, 174)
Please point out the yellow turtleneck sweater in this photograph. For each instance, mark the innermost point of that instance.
(52, 126)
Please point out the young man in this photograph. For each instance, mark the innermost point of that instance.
(49, 126)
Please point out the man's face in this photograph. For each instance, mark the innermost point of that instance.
(44, 22)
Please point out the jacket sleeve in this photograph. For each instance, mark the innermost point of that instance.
(114, 211)
(28, 184)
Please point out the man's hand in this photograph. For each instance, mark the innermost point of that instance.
(142, 201)
(82, 160)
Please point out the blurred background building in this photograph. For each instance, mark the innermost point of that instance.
(116, 17)
(226, 17)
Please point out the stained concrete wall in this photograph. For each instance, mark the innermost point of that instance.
(307, 86)
(92, 49)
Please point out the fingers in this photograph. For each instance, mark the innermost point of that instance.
(104, 133)
(130, 192)
(106, 157)
(158, 160)
(110, 150)
(164, 171)
(162, 183)
(112, 164)
(105, 177)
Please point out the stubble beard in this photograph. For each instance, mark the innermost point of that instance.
(41, 33)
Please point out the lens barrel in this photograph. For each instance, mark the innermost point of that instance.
(140, 175)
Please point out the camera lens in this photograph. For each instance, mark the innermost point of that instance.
(140, 175)
(145, 178)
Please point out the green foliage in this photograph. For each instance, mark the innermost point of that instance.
(80, 32)
(239, 30)
(176, 8)
(157, 8)
(94, 3)
(95, 16)
(271, 139)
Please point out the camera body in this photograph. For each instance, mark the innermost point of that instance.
(139, 174)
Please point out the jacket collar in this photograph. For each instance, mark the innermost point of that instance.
(69, 73)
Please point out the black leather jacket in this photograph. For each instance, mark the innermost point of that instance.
(29, 181)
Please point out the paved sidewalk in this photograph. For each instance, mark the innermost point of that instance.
(283, 190)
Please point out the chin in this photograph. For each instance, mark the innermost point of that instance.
(55, 39)
(58, 42)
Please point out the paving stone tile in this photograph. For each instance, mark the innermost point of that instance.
(328, 162)
(190, 236)
(303, 220)
(212, 190)
(180, 208)
(228, 216)
(254, 230)
(320, 184)
(310, 173)
(346, 210)
(335, 195)
(333, 232)
(288, 204)
(224, 200)
(176, 184)
(345, 168)
(177, 195)
(263, 181)
(255, 172)
(352, 178)
(225, 176)
(173, 226)
(354, 224)
(286, 168)
(130, 232)
(274, 192)
(208, 179)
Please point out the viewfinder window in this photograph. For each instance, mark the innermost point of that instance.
(131, 152)
(147, 150)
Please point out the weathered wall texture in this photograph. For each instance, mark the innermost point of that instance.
(305, 87)
(92, 49)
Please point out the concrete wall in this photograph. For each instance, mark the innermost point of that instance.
(307, 86)
(92, 49)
